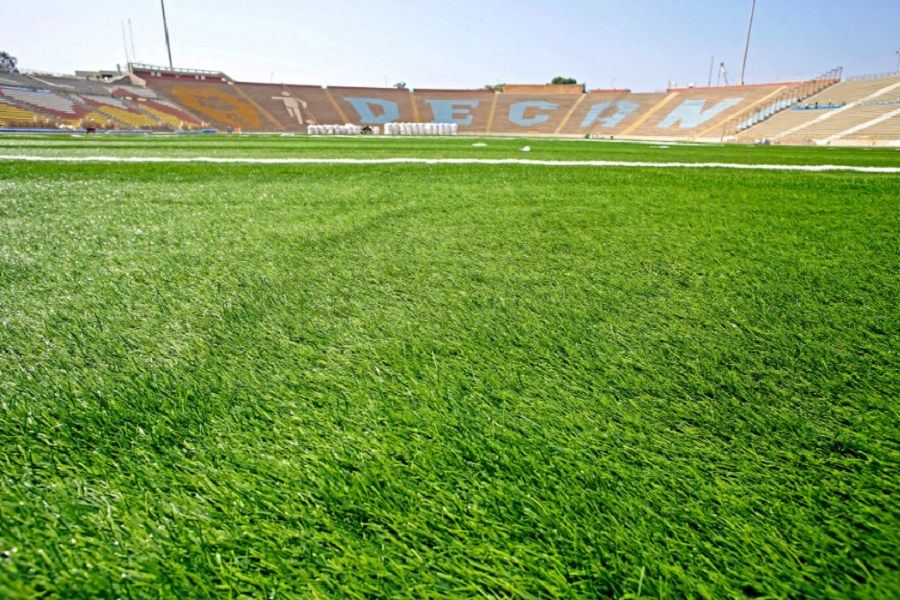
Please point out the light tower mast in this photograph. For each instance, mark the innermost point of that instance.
(747, 46)
(166, 28)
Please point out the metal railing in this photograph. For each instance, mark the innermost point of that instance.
(790, 97)
(875, 76)
(144, 67)
(45, 73)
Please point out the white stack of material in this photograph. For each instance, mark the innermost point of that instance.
(347, 129)
(421, 129)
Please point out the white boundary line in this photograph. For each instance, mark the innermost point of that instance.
(448, 161)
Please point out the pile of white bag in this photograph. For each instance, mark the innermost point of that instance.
(421, 129)
(347, 129)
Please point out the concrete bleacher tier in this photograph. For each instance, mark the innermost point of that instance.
(57, 106)
(19, 80)
(217, 102)
(470, 109)
(887, 129)
(842, 121)
(168, 112)
(131, 90)
(687, 113)
(823, 123)
(10, 112)
(704, 112)
(123, 111)
(846, 92)
(375, 106)
(120, 111)
(609, 114)
(783, 121)
(680, 113)
(274, 107)
(291, 107)
(74, 84)
(530, 113)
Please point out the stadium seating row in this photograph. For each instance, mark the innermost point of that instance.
(72, 84)
(279, 107)
(11, 112)
(174, 101)
(71, 109)
(60, 107)
(18, 80)
(861, 108)
(131, 90)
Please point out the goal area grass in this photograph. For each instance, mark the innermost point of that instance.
(447, 380)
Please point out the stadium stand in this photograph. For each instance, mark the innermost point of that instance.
(72, 84)
(607, 114)
(530, 113)
(886, 127)
(23, 81)
(783, 121)
(843, 120)
(10, 112)
(374, 106)
(689, 113)
(871, 127)
(292, 107)
(679, 113)
(825, 109)
(131, 90)
(168, 112)
(218, 101)
(840, 110)
(861, 90)
(267, 107)
(704, 113)
(786, 99)
(469, 109)
(120, 111)
(56, 106)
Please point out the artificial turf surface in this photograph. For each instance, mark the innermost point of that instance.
(302, 146)
(435, 381)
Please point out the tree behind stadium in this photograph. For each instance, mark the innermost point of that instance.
(7, 62)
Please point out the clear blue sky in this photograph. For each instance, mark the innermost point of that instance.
(641, 44)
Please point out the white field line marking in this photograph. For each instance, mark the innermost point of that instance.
(448, 161)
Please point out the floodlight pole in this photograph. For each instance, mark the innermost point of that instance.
(131, 35)
(166, 28)
(125, 43)
(747, 46)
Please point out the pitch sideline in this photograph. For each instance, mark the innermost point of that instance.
(449, 161)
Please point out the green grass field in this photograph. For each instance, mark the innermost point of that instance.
(447, 381)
